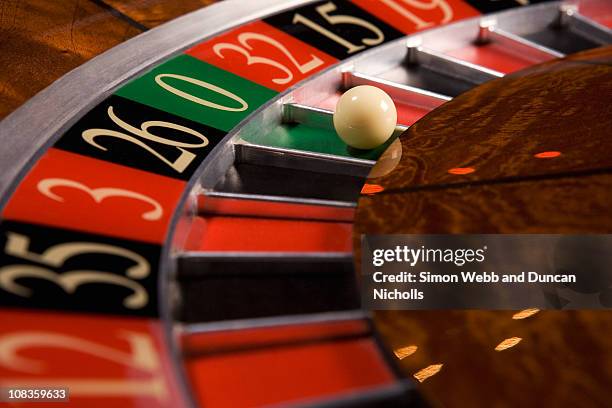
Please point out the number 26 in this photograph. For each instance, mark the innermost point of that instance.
(180, 164)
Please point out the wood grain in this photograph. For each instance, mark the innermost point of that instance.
(42, 40)
(559, 358)
(563, 359)
(152, 13)
(498, 127)
(569, 205)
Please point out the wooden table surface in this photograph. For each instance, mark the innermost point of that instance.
(41, 40)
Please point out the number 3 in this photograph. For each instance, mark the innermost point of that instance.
(46, 186)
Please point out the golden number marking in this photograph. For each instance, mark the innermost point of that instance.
(243, 105)
(46, 187)
(324, 10)
(244, 39)
(180, 164)
(18, 245)
(447, 11)
(141, 357)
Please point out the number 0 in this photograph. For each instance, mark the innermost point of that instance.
(160, 81)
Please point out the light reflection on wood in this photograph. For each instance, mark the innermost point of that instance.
(506, 344)
(523, 314)
(404, 352)
(427, 372)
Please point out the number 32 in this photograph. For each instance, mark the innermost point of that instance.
(244, 40)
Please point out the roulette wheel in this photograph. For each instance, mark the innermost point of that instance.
(177, 213)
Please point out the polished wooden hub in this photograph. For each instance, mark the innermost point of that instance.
(528, 153)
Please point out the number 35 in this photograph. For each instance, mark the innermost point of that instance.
(17, 245)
